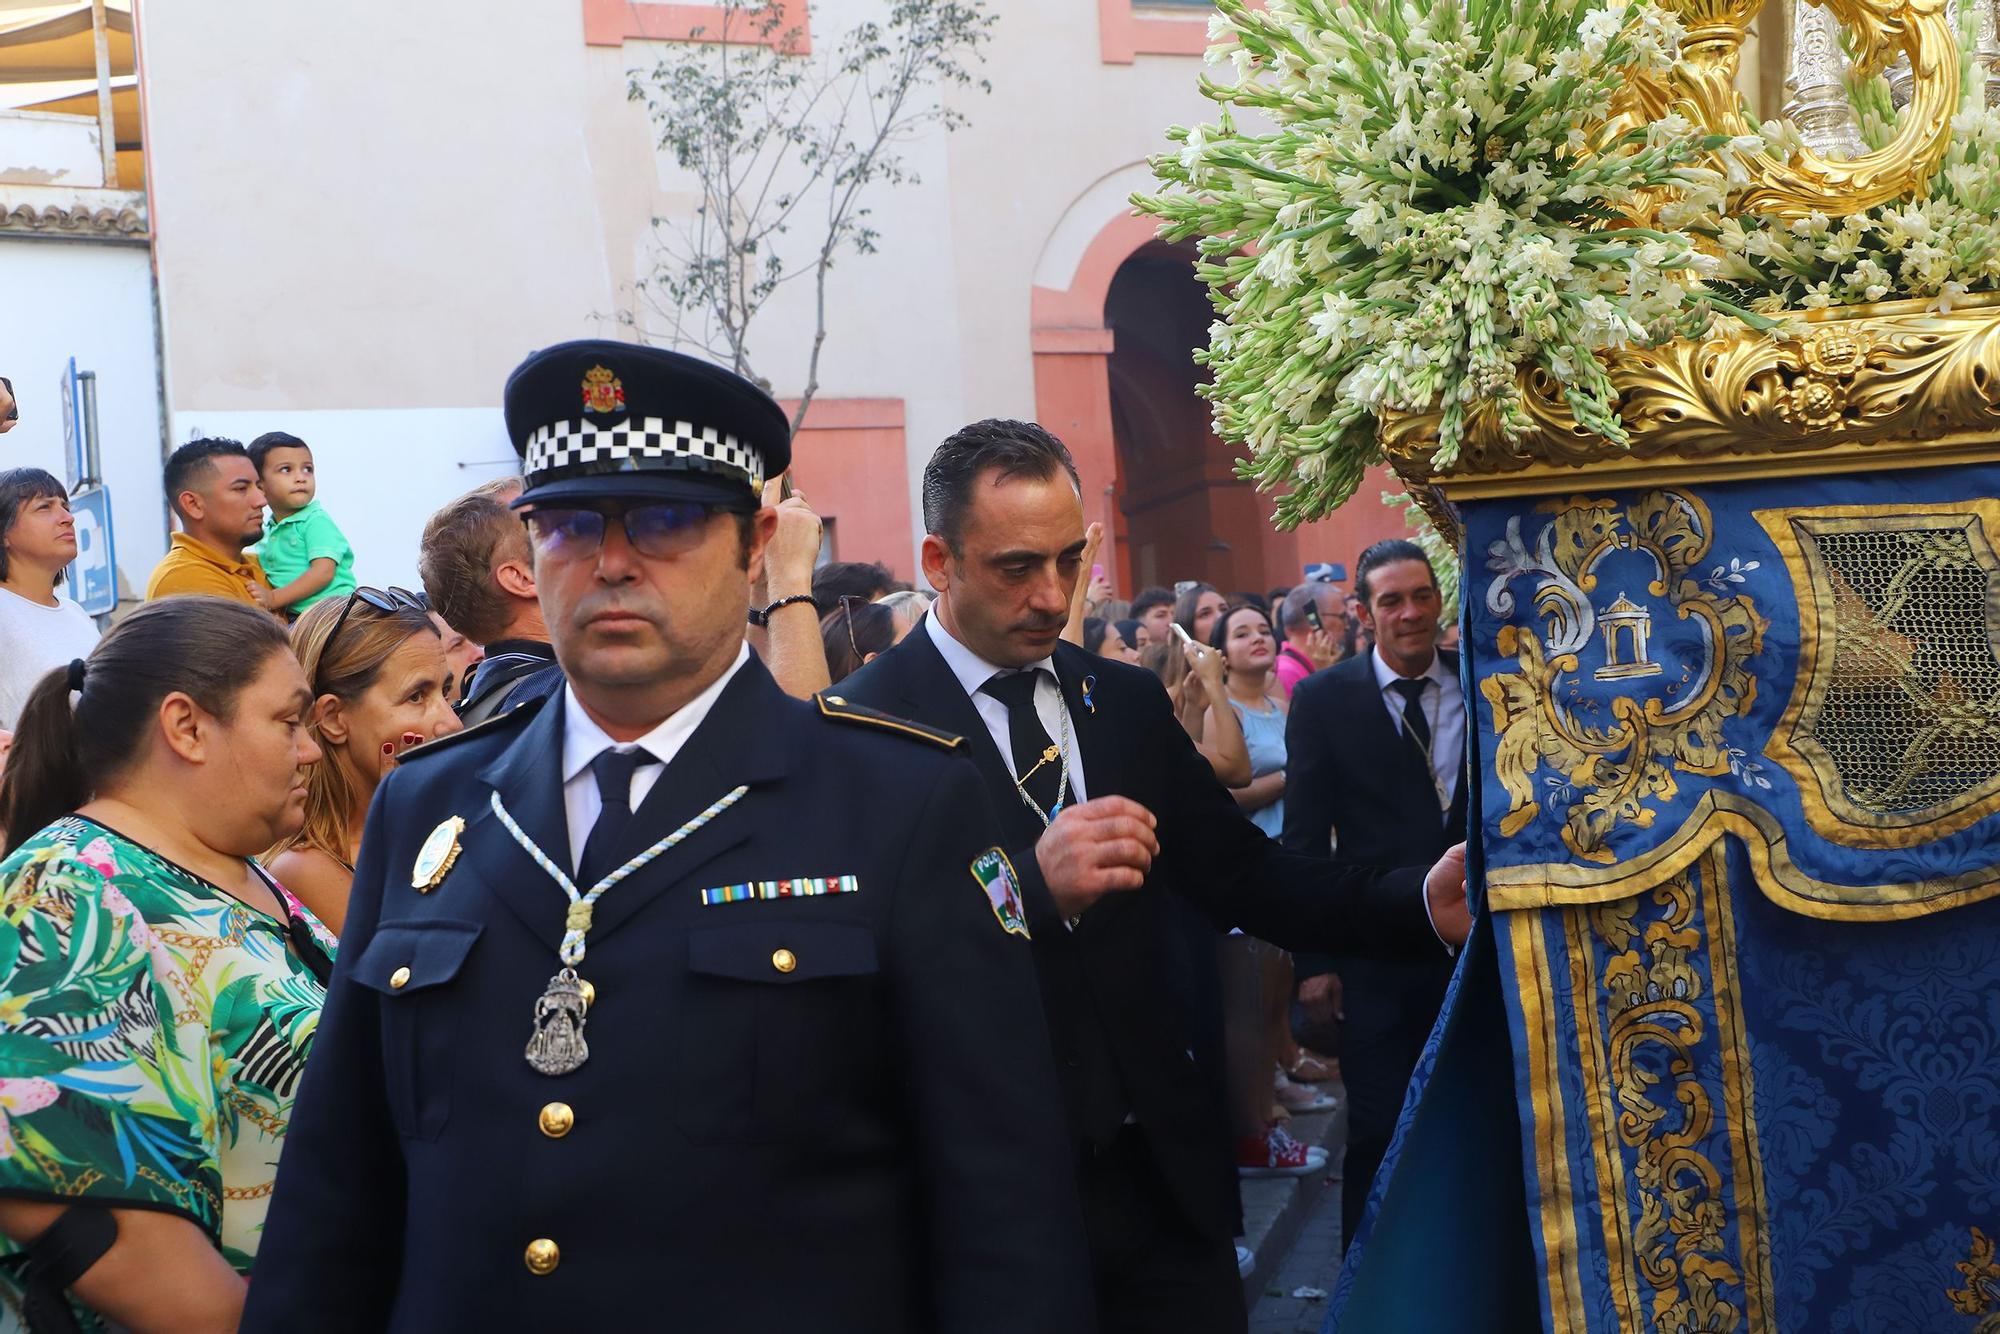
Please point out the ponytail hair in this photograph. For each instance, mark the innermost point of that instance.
(207, 648)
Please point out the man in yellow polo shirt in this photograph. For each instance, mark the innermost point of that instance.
(212, 486)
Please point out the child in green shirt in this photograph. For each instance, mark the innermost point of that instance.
(304, 553)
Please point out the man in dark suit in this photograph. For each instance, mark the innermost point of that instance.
(1050, 725)
(770, 1061)
(1374, 771)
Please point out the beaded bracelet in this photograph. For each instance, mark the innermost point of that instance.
(782, 603)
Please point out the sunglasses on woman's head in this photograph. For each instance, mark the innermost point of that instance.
(391, 599)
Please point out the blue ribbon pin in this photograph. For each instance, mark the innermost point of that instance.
(1089, 684)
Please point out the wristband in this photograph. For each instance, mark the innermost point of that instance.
(782, 603)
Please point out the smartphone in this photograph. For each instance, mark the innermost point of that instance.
(1186, 638)
(1312, 617)
(1097, 574)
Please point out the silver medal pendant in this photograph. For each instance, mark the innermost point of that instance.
(557, 1047)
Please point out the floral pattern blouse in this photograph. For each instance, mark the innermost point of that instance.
(152, 1034)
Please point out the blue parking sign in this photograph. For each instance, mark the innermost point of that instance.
(94, 576)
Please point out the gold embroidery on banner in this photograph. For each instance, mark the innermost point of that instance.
(1563, 1289)
(1981, 1292)
(1617, 771)
(1555, 884)
(1892, 732)
(1601, 1115)
(1651, 997)
(1739, 1091)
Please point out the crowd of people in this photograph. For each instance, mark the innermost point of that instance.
(1186, 802)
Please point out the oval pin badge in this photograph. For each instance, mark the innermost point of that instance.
(435, 857)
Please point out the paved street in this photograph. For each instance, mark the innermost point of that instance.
(1311, 1263)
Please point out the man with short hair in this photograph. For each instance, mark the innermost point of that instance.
(213, 490)
(478, 569)
(1375, 749)
(782, 1069)
(1153, 609)
(1310, 645)
(1050, 727)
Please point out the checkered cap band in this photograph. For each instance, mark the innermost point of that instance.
(566, 444)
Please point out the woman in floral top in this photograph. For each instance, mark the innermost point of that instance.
(158, 991)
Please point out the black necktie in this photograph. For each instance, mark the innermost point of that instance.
(613, 770)
(1414, 722)
(1038, 763)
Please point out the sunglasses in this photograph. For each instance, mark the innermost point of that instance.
(848, 601)
(14, 407)
(307, 947)
(303, 942)
(391, 599)
(658, 530)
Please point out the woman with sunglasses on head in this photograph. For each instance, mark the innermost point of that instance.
(160, 991)
(856, 632)
(381, 684)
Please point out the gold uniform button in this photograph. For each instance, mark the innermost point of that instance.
(784, 960)
(399, 979)
(542, 1256)
(589, 992)
(556, 1120)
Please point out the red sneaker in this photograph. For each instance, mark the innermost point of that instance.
(1276, 1154)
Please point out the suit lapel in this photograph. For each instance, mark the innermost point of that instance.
(528, 778)
(740, 743)
(1454, 819)
(931, 694)
(1099, 756)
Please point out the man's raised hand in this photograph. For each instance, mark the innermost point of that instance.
(1096, 848)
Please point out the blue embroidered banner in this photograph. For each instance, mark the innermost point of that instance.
(1736, 750)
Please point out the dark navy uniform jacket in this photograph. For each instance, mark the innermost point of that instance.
(798, 1116)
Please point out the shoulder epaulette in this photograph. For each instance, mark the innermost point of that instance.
(520, 713)
(840, 711)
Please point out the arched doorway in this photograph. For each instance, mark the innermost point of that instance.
(1115, 376)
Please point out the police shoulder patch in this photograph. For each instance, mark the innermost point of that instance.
(995, 875)
(499, 722)
(840, 711)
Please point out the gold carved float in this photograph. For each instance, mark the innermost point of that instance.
(1850, 388)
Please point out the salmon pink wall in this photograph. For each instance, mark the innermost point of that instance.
(613, 22)
(1123, 34)
(850, 465)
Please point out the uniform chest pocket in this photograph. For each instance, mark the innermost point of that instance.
(779, 1021)
(410, 965)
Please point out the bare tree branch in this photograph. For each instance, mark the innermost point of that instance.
(766, 131)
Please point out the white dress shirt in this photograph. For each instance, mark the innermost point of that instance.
(974, 671)
(1443, 704)
(583, 741)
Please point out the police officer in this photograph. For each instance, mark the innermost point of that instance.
(671, 1001)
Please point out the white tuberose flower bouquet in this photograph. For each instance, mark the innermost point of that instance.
(1427, 214)
(1943, 246)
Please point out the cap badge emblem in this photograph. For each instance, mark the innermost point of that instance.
(602, 391)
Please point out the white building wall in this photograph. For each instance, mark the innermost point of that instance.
(363, 225)
(92, 301)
